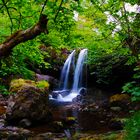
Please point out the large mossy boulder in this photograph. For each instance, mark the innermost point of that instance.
(120, 102)
(29, 102)
(17, 84)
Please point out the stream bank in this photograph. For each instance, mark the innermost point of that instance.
(87, 117)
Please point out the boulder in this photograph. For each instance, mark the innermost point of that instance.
(14, 133)
(17, 84)
(119, 97)
(25, 123)
(120, 100)
(29, 103)
(82, 91)
(56, 93)
(53, 82)
(116, 125)
(78, 99)
(3, 101)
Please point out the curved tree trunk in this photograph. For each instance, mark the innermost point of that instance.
(23, 35)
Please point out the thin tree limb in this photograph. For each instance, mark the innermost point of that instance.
(4, 3)
(58, 10)
(45, 2)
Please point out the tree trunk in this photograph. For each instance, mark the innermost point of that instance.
(23, 35)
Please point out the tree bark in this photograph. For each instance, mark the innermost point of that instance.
(23, 35)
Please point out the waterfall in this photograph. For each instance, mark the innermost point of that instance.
(77, 79)
(65, 72)
(79, 71)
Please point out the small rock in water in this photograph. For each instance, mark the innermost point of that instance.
(48, 135)
(15, 137)
(77, 99)
(25, 123)
(68, 134)
(2, 123)
(116, 125)
(65, 92)
(55, 94)
(116, 108)
(82, 91)
(57, 126)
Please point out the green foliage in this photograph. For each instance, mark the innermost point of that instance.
(23, 57)
(91, 30)
(132, 127)
(27, 57)
(4, 90)
(133, 87)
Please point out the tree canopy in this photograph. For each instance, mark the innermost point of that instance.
(105, 27)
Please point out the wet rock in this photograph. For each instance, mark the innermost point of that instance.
(105, 104)
(16, 137)
(3, 101)
(63, 93)
(2, 109)
(58, 126)
(14, 133)
(82, 91)
(49, 136)
(116, 125)
(25, 123)
(2, 123)
(53, 82)
(77, 99)
(44, 136)
(68, 121)
(116, 108)
(31, 103)
(54, 94)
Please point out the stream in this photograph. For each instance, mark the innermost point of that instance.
(91, 117)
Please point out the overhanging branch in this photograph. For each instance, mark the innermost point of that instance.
(24, 35)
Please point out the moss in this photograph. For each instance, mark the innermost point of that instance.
(18, 84)
(43, 84)
(119, 97)
(107, 136)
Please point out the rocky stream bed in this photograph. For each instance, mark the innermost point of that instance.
(29, 114)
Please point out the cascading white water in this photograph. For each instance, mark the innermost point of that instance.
(65, 72)
(78, 74)
(79, 70)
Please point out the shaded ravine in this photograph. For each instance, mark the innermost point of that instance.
(77, 84)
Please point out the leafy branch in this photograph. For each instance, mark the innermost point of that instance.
(45, 2)
(59, 8)
(4, 3)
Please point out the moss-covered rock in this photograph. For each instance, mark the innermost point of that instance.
(106, 136)
(18, 84)
(119, 97)
(30, 102)
(120, 102)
